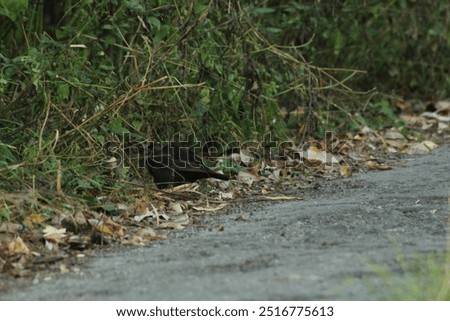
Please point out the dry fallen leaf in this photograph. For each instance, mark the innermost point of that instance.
(418, 149)
(182, 219)
(253, 168)
(53, 234)
(51, 246)
(140, 205)
(10, 228)
(146, 214)
(246, 157)
(116, 228)
(275, 174)
(135, 240)
(235, 158)
(429, 144)
(317, 157)
(101, 227)
(396, 143)
(371, 165)
(435, 115)
(346, 171)
(176, 207)
(80, 219)
(63, 268)
(143, 236)
(79, 242)
(105, 229)
(442, 105)
(147, 232)
(17, 246)
(246, 178)
(34, 219)
(264, 190)
(442, 127)
(394, 135)
(226, 196)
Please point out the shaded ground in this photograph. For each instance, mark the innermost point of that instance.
(324, 247)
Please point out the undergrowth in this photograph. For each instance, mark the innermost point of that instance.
(77, 74)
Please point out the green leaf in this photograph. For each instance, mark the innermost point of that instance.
(13, 8)
(204, 93)
(109, 206)
(154, 22)
(134, 5)
(274, 30)
(108, 27)
(5, 213)
(387, 110)
(137, 124)
(63, 91)
(338, 42)
(117, 126)
(81, 183)
(263, 10)
(163, 32)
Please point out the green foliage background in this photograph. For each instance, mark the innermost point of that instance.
(76, 74)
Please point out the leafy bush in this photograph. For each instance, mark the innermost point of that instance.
(403, 45)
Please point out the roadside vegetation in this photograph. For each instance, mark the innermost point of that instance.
(426, 278)
(75, 75)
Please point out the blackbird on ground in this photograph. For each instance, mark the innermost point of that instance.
(172, 165)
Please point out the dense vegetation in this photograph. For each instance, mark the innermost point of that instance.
(77, 74)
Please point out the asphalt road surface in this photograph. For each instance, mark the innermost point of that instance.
(329, 246)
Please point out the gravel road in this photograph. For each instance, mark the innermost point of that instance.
(325, 247)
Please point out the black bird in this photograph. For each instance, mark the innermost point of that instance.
(173, 165)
